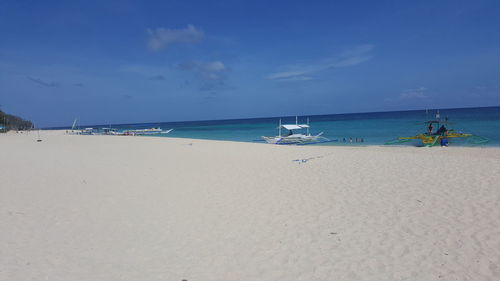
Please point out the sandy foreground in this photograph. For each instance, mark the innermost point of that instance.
(105, 208)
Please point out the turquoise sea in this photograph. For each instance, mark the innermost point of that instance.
(375, 128)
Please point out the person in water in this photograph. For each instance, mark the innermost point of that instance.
(442, 130)
(444, 142)
(430, 128)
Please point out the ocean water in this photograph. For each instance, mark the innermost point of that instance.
(375, 128)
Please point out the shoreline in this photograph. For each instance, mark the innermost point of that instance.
(334, 144)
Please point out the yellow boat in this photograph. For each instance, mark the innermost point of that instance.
(442, 136)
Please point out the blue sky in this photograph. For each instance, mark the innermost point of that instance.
(147, 61)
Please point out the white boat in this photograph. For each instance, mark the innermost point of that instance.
(293, 137)
(150, 131)
(88, 131)
(75, 128)
(111, 131)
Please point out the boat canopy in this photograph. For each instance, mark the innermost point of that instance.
(295, 126)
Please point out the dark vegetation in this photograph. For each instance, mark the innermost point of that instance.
(12, 122)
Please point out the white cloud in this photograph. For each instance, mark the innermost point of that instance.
(352, 56)
(301, 72)
(163, 37)
(207, 70)
(215, 66)
(350, 61)
(418, 93)
(357, 50)
(297, 78)
(286, 74)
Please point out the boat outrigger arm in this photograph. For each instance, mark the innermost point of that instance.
(432, 140)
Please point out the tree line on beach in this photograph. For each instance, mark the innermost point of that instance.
(12, 122)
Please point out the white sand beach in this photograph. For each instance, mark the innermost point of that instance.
(107, 208)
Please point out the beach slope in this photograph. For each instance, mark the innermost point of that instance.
(106, 208)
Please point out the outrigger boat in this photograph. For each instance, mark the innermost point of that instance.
(143, 132)
(442, 136)
(115, 132)
(295, 138)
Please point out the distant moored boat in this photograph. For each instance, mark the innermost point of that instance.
(294, 137)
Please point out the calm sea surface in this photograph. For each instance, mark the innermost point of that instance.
(375, 128)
